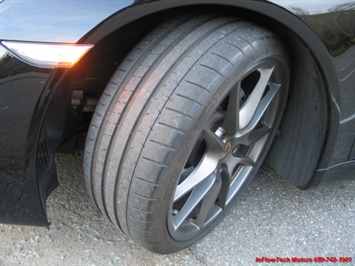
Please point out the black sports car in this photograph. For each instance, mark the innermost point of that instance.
(175, 104)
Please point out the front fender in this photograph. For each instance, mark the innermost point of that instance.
(54, 21)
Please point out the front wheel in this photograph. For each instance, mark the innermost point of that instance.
(183, 126)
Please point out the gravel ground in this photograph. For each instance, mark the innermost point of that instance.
(272, 219)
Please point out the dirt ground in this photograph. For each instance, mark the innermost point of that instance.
(273, 219)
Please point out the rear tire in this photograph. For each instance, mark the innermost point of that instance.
(183, 126)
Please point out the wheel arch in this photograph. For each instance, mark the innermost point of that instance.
(92, 73)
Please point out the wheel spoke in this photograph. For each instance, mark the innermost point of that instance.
(249, 108)
(239, 158)
(215, 148)
(264, 104)
(209, 201)
(198, 194)
(203, 171)
(228, 172)
(250, 135)
(215, 145)
(253, 136)
(231, 121)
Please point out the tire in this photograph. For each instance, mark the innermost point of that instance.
(167, 153)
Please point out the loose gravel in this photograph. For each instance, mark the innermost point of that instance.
(272, 219)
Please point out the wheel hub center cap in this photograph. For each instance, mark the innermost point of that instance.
(227, 149)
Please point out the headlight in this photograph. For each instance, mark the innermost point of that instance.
(48, 55)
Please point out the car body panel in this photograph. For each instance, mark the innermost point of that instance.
(53, 21)
(22, 191)
(23, 167)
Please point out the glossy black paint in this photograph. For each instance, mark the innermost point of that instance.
(22, 89)
(30, 97)
(54, 21)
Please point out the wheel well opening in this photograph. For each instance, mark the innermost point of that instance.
(303, 129)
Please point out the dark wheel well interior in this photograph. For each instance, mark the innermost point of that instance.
(297, 149)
